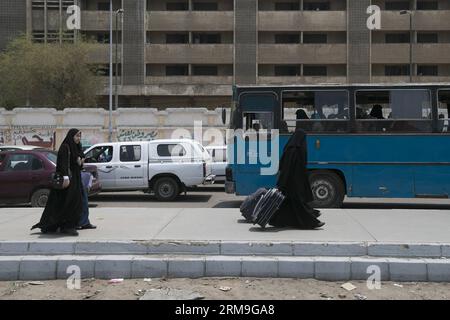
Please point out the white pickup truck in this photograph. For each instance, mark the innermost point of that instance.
(165, 167)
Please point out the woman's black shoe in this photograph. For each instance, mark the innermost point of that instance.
(70, 232)
(87, 226)
(320, 224)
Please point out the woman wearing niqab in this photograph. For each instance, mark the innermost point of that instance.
(295, 212)
(64, 207)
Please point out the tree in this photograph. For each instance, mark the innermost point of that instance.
(51, 75)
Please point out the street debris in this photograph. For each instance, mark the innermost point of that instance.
(35, 283)
(360, 297)
(147, 280)
(325, 296)
(342, 296)
(113, 281)
(171, 294)
(348, 286)
(398, 285)
(225, 289)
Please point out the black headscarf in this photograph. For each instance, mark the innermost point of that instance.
(75, 149)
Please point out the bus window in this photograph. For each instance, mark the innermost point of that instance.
(316, 111)
(443, 111)
(258, 120)
(393, 111)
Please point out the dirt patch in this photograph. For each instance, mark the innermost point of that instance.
(213, 288)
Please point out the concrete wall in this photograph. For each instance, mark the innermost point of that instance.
(48, 127)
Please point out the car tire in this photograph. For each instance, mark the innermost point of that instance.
(166, 189)
(39, 198)
(327, 188)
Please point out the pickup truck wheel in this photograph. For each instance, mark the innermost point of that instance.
(39, 198)
(166, 189)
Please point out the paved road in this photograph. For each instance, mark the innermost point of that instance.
(214, 197)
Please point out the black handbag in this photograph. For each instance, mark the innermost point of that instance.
(57, 178)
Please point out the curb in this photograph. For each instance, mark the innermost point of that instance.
(183, 266)
(227, 248)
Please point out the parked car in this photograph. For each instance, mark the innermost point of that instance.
(20, 147)
(25, 176)
(165, 167)
(219, 161)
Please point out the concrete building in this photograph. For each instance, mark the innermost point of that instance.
(188, 53)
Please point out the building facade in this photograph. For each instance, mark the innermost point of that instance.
(188, 53)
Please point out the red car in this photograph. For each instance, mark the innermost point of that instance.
(25, 176)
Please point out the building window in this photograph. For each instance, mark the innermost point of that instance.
(287, 71)
(287, 6)
(177, 6)
(205, 71)
(177, 70)
(397, 38)
(397, 5)
(396, 70)
(287, 38)
(205, 6)
(427, 5)
(427, 70)
(314, 38)
(315, 71)
(103, 6)
(177, 38)
(427, 38)
(208, 38)
(316, 6)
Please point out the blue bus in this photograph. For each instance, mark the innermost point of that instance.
(365, 140)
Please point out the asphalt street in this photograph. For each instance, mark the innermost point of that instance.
(214, 197)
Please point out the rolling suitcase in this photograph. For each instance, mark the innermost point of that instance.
(267, 206)
(248, 206)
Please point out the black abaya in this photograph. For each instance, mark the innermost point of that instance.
(64, 207)
(293, 182)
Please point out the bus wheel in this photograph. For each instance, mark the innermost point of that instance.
(327, 188)
(166, 189)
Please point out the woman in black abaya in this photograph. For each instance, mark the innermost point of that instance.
(64, 207)
(293, 181)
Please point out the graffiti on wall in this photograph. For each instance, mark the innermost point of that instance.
(34, 136)
(136, 135)
(5, 136)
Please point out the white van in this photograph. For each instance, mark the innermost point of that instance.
(165, 167)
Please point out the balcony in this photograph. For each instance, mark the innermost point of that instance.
(95, 21)
(435, 53)
(302, 21)
(187, 80)
(422, 21)
(302, 53)
(190, 21)
(300, 80)
(405, 79)
(189, 53)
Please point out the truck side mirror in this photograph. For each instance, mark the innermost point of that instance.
(224, 116)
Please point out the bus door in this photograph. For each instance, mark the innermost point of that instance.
(258, 119)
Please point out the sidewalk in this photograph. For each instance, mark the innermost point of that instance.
(407, 245)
